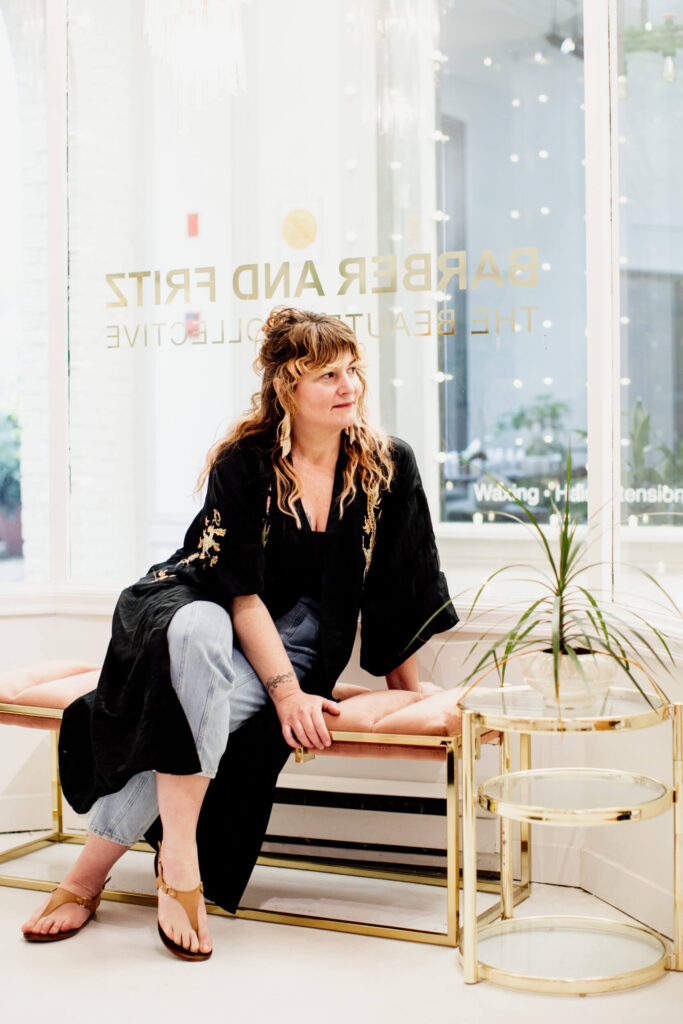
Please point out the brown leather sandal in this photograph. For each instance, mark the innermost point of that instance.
(189, 901)
(59, 897)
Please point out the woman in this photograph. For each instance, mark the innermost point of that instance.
(311, 516)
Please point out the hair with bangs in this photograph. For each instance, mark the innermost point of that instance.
(294, 342)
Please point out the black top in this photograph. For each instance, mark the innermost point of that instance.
(294, 560)
(380, 562)
(312, 565)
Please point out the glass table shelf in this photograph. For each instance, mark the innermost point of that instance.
(575, 796)
(570, 954)
(521, 709)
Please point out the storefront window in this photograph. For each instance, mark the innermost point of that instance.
(417, 171)
(650, 147)
(512, 363)
(24, 465)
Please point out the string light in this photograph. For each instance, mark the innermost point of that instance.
(542, 98)
(488, 62)
(544, 154)
(545, 210)
(547, 381)
(514, 214)
(516, 103)
(517, 383)
(547, 323)
(514, 158)
(546, 266)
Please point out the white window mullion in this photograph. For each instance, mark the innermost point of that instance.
(56, 43)
(602, 282)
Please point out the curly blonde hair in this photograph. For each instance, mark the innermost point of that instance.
(294, 342)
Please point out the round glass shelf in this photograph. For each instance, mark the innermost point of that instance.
(570, 954)
(521, 709)
(575, 796)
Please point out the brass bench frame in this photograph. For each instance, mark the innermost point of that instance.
(452, 751)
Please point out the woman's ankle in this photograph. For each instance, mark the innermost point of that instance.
(83, 884)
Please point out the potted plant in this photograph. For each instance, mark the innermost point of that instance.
(10, 486)
(571, 642)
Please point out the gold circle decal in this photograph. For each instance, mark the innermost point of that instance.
(299, 229)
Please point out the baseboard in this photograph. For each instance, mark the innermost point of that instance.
(555, 863)
(643, 899)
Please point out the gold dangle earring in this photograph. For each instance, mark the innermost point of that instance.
(284, 432)
(351, 434)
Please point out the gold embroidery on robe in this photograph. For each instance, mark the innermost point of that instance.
(370, 534)
(163, 574)
(208, 543)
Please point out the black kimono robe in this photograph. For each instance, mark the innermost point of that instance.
(381, 562)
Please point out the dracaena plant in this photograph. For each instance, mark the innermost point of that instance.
(566, 617)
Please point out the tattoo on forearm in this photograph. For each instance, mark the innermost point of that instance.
(271, 685)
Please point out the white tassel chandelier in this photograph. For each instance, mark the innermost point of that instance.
(202, 43)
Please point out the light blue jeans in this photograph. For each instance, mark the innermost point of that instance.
(218, 690)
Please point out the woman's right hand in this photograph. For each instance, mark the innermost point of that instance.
(301, 717)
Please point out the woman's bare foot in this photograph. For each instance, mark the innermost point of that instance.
(181, 871)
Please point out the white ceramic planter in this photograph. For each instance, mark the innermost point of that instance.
(575, 690)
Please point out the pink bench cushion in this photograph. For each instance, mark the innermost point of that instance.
(432, 712)
(48, 684)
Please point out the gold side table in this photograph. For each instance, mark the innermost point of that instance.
(596, 955)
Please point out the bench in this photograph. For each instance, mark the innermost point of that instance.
(387, 723)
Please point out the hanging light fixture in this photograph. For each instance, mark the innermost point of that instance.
(202, 43)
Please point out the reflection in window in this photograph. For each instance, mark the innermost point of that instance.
(24, 495)
(651, 258)
(511, 180)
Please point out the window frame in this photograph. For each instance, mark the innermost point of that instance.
(482, 544)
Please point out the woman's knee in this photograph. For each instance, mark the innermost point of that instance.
(200, 631)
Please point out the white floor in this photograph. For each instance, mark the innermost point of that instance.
(117, 971)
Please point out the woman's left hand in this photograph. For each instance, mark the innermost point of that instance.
(301, 717)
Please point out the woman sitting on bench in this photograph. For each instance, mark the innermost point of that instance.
(224, 657)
